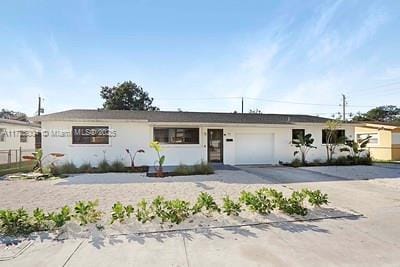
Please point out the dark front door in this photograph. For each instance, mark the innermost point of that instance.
(215, 145)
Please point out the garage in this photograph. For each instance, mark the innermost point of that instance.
(254, 148)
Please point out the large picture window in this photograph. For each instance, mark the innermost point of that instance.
(90, 135)
(176, 135)
(337, 136)
(296, 133)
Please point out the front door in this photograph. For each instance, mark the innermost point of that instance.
(215, 145)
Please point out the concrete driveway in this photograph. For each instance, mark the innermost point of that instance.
(279, 175)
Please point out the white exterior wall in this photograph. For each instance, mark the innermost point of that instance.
(12, 141)
(138, 135)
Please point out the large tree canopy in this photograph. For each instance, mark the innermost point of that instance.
(388, 113)
(126, 96)
(13, 115)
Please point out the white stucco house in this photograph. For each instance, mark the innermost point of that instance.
(17, 138)
(89, 136)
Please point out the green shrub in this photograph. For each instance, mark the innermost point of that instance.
(121, 212)
(207, 202)
(201, 168)
(144, 212)
(364, 160)
(86, 212)
(231, 207)
(103, 166)
(296, 163)
(86, 168)
(316, 198)
(177, 210)
(183, 169)
(60, 218)
(40, 220)
(16, 222)
(117, 166)
(294, 204)
(159, 206)
(259, 201)
(68, 168)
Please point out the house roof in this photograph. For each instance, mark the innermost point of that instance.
(383, 125)
(17, 122)
(178, 116)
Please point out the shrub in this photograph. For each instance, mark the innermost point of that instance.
(183, 169)
(86, 168)
(117, 166)
(60, 218)
(68, 168)
(159, 207)
(40, 220)
(86, 212)
(231, 207)
(177, 210)
(144, 212)
(296, 163)
(121, 212)
(15, 222)
(103, 166)
(294, 204)
(316, 198)
(207, 202)
(203, 168)
(258, 202)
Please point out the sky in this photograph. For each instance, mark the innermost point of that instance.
(281, 56)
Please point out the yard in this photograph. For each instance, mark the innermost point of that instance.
(358, 227)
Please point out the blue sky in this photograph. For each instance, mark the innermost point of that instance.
(203, 55)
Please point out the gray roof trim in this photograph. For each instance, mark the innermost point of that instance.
(17, 122)
(181, 117)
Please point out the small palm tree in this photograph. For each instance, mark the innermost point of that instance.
(304, 144)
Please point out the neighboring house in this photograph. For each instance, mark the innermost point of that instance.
(385, 140)
(17, 138)
(186, 137)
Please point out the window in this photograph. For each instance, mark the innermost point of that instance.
(176, 135)
(373, 137)
(2, 135)
(337, 136)
(89, 135)
(23, 136)
(296, 133)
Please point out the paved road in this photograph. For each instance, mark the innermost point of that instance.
(371, 240)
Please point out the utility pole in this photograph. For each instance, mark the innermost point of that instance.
(40, 109)
(242, 105)
(344, 107)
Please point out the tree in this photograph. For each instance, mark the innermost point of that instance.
(332, 138)
(356, 147)
(304, 144)
(389, 113)
(13, 115)
(126, 96)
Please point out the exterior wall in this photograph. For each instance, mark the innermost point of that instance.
(396, 144)
(383, 149)
(138, 135)
(12, 141)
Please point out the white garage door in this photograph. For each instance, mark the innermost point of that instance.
(254, 148)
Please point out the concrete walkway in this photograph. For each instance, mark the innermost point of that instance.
(371, 240)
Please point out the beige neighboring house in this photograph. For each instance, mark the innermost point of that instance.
(17, 138)
(385, 140)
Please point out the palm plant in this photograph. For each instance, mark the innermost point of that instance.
(304, 144)
(132, 157)
(161, 158)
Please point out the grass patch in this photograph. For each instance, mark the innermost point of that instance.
(25, 166)
(197, 169)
